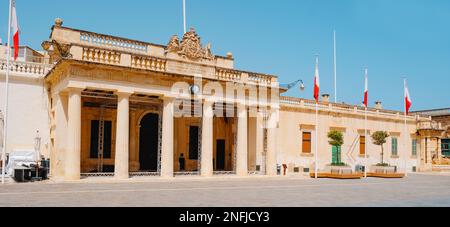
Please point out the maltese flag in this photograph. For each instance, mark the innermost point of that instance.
(317, 81)
(408, 101)
(366, 89)
(15, 29)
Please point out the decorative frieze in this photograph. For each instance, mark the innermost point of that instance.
(25, 67)
(148, 63)
(112, 42)
(101, 55)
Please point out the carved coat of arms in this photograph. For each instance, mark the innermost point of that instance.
(190, 46)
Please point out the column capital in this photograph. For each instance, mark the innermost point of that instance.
(74, 89)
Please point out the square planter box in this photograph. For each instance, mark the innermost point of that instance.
(384, 169)
(341, 170)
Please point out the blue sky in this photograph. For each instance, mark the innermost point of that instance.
(394, 38)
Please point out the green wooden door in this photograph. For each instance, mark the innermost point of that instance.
(335, 155)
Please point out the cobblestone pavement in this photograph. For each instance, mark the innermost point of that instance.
(416, 190)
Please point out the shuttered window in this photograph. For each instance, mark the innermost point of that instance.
(362, 145)
(306, 142)
(414, 147)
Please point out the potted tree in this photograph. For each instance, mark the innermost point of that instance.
(379, 138)
(336, 140)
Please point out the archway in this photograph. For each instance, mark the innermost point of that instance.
(148, 143)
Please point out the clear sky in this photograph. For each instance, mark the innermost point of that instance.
(394, 38)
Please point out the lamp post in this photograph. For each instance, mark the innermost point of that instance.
(37, 148)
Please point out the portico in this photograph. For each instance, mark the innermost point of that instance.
(114, 119)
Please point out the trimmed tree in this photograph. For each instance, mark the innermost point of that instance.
(379, 138)
(336, 140)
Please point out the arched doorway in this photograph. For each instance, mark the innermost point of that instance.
(148, 142)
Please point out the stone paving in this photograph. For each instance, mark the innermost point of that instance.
(416, 190)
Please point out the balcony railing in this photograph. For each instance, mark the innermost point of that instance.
(25, 67)
(338, 107)
(148, 63)
(236, 75)
(429, 125)
(112, 42)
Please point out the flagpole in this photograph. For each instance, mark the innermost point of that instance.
(316, 153)
(335, 67)
(184, 16)
(405, 129)
(365, 130)
(5, 126)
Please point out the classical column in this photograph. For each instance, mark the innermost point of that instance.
(206, 162)
(260, 142)
(73, 153)
(242, 142)
(439, 150)
(122, 159)
(167, 152)
(271, 156)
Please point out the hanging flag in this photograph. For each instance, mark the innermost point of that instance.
(366, 90)
(317, 81)
(15, 29)
(408, 101)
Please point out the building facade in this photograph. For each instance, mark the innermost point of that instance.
(111, 106)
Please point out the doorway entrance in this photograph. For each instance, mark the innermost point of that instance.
(220, 155)
(149, 143)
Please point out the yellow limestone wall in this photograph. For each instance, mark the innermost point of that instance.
(294, 122)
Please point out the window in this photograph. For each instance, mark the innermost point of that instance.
(193, 142)
(446, 147)
(306, 143)
(107, 139)
(362, 145)
(394, 146)
(414, 147)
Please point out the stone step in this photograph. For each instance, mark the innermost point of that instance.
(441, 168)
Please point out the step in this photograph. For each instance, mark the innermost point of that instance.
(441, 168)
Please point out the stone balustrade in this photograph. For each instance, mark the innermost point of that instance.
(101, 55)
(148, 63)
(112, 42)
(228, 75)
(235, 75)
(25, 67)
(343, 108)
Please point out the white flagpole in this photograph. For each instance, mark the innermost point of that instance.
(316, 153)
(5, 127)
(184, 16)
(335, 67)
(406, 131)
(365, 130)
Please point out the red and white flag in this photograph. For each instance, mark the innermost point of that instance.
(366, 90)
(15, 29)
(408, 101)
(317, 82)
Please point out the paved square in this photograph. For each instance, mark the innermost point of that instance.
(416, 190)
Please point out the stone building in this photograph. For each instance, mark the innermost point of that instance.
(441, 117)
(111, 106)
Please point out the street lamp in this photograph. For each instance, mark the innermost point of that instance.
(37, 148)
(294, 84)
